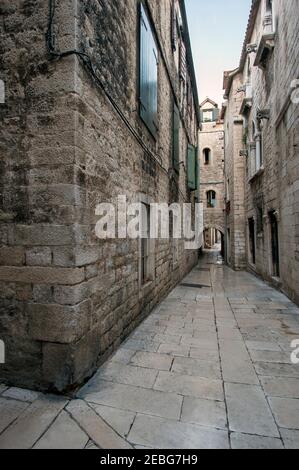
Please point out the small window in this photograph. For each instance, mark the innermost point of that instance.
(207, 156)
(148, 75)
(211, 199)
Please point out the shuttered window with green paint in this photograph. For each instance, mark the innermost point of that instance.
(192, 168)
(176, 139)
(148, 75)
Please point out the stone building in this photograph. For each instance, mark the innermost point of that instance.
(106, 106)
(234, 172)
(263, 93)
(212, 185)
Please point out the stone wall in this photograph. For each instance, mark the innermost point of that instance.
(68, 299)
(274, 189)
(234, 176)
(268, 82)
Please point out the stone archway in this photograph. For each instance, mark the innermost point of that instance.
(211, 238)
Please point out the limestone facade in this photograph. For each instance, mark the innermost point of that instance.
(211, 158)
(75, 133)
(268, 78)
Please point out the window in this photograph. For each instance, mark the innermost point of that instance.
(192, 167)
(148, 75)
(207, 156)
(208, 115)
(176, 138)
(211, 199)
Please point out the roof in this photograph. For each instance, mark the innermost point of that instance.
(208, 100)
(228, 77)
(250, 27)
(190, 59)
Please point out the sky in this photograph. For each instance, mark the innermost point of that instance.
(217, 30)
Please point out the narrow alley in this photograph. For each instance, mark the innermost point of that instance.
(209, 368)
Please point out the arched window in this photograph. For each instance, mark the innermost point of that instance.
(211, 199)
(207, 156)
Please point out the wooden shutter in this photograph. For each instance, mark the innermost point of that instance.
(148, 75)
(192, 168)
(174, 34)
(176, 138)
(215, 114)
(183, 62)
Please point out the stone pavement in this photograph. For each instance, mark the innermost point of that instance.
(210, 368)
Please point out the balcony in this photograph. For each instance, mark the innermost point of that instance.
(266, 43)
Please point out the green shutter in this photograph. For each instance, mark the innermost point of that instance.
(176, 138)
(148, 74)
(215, 114)
(192, 168)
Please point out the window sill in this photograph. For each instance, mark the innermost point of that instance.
(264, 50)
(260, 172)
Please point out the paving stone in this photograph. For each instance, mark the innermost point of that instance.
(166, 434)
(246, 441)
(152, 360)
(200, 343)
(192, 386)
(174, 350)
(270, 356)
(290, 438)
(277, 370)
(230, 334)
(196, 367)
(64, 433)
(9, 411)
(236, 364)
(21, 394)
(204, 412)
(204, 354)
(123, 356)
(91, 446)
(280, 387)
(169, 339)
(152, 402)
(120, 420)
(263, 346)
(32, 423)
(95, 427)
(139, 345)
(248, 410)
(126, 374)
(286, 412)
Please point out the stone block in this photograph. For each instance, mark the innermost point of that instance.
(39, 256)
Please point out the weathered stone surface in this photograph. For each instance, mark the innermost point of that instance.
(187, 385)
(152, 360)
(281, 387)
(120, 420)
(10, 410)
(204, 412)
(248, 410)
(286, 412)
(134, 399)
(245, 441)
(165, 434)
(64, 433)
(95, 427)
(21, 394)
(32, 423)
